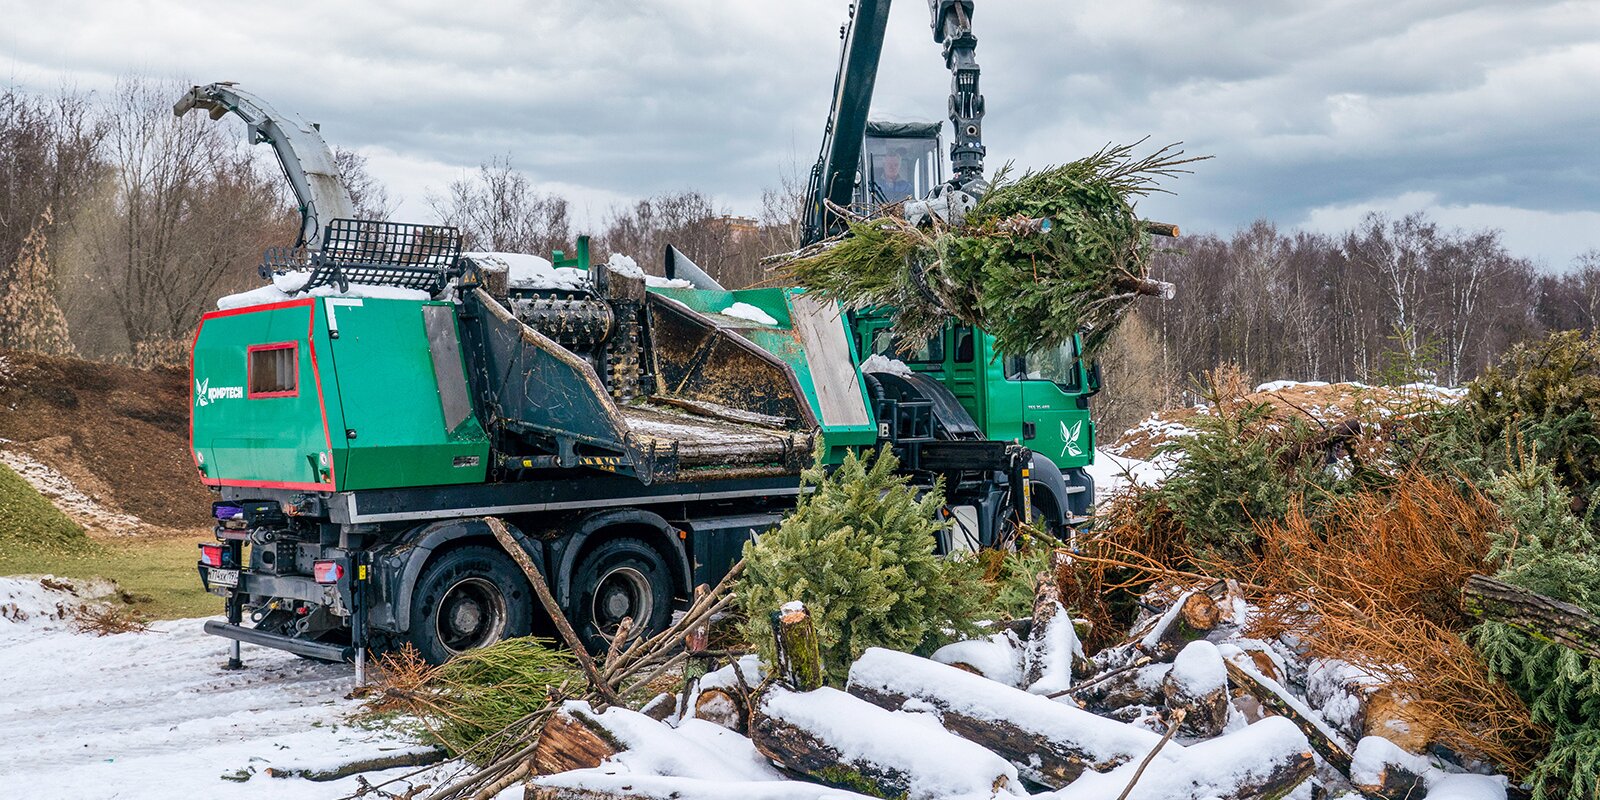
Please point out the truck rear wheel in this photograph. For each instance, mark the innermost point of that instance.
(468, 598)
(620, 578)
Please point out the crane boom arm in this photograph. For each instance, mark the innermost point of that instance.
(306, 160)
(833, 178)
(952, 27)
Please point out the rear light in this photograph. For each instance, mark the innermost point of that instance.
(211, 554)
(327, 571)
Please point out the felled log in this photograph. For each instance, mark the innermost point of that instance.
(997, 657)
(1273, 696)
(1137, 684)
(572, 740)
(660, 707)
(845, 742)
(1197, 685)
(1052, 640)
(1191, 616)
(799, 656)
(1049, 742)
(1160, 228)
(1265, 760)
(408, 758)
(1382, 769)
(593, 785)
(1546, 618)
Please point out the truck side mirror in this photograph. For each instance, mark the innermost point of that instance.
(1094, 379)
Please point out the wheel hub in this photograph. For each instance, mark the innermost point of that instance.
(622, 592)
(471, 613)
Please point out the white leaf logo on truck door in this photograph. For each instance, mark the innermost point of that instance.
(1069, 438)
(200, 400)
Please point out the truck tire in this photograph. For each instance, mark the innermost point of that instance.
(620, 578)
(468, 598)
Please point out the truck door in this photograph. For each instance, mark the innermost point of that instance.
(965, 367)
(1054, 411)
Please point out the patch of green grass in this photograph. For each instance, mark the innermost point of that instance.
(29, 523)
(158, 575)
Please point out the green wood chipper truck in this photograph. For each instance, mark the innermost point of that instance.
(361, 417)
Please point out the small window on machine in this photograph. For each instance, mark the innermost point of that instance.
(274, 370)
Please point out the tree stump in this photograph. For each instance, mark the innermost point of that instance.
(799, 659)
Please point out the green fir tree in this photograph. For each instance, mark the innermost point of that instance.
(1547, 549)
(858, 550)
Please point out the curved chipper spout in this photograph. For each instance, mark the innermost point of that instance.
(307, 161)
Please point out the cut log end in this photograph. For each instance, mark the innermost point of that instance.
(571, 742)
(722, 707)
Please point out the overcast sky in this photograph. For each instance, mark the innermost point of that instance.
(1484, 114)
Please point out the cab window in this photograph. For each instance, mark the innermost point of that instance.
(931, 351)
(966, 344)
(1059, 365)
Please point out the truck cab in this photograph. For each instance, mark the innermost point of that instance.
(900, 161)
(1039, 400)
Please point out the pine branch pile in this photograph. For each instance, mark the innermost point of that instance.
(486, 696)
(1029, 287)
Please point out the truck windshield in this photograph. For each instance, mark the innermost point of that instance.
(1058, 365)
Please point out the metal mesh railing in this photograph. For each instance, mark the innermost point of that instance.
(374, 253)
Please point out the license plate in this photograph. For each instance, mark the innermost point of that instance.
(222, 577)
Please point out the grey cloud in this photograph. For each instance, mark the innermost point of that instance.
(1305, 105)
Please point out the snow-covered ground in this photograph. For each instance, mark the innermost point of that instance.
(1112, 472)
(154, 715)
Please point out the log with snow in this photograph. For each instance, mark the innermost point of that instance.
(1264, 760)
(997, 657)
(723, 693)
(1051, 743)
(1272, 695)
(1380, 768)
(1052, 641)
(846, 742)
(640, 745)
(1198, 685)
(592, 784)
(1191, 616)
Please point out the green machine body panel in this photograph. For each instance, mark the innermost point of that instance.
(813, 339)
(1039, 400)
(334, 394)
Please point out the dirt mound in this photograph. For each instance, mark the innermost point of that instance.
(1320, 403)
(103, 441)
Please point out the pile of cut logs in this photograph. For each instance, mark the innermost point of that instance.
(1185, 707)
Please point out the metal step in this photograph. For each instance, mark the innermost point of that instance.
(300, 647)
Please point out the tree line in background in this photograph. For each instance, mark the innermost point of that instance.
(121, 223)
(1392, 301)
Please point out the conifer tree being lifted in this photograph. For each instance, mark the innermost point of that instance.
(1037, 259)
